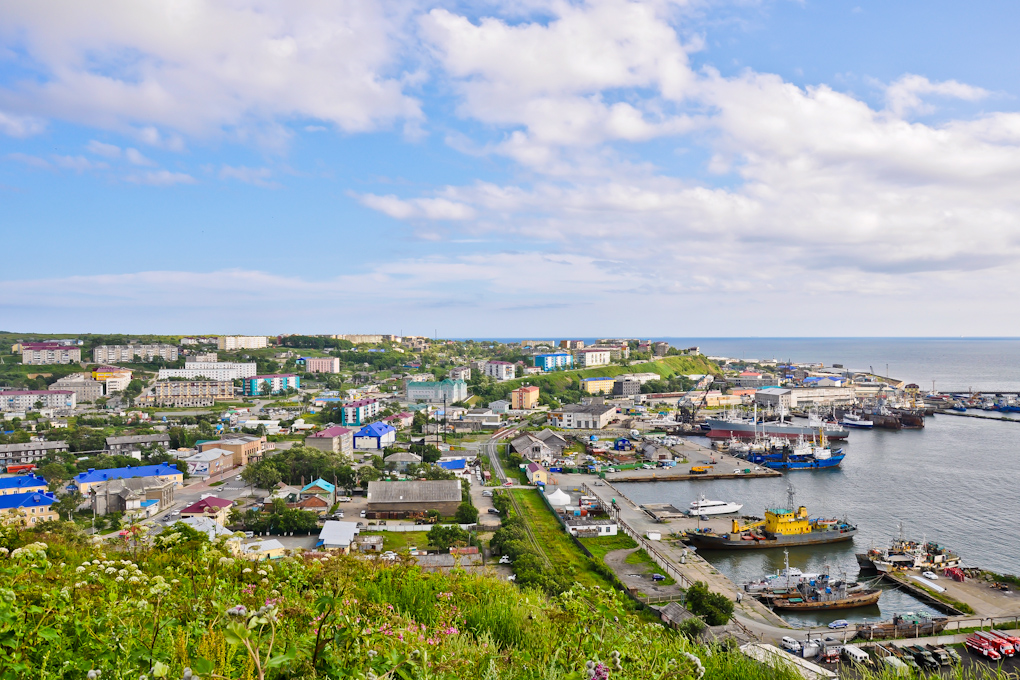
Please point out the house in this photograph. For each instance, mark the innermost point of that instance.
(246, 448)
(536, 474)
(500, 370)
(551, 362)
(553, 440)
(401, 460)
(269, 549)
(374, 437)
(335, 439)
(360, 412)
(602, 385)
(531, 447)
(207, 526)
(338, 535)
(272, 384)
(500, 406)
(216, 509)
(524, 398)
(317, 504)
(137, 442)
(321, 488)
(139, 496)
(456, 465)
(84, 482)
(366, 544)
(588, 358)
(209, 462)
(29, 508)
(289, 494)
(400, 420)
(582, 417)
(28, 453)
(22, 484)
(586, 526)
(443, 495)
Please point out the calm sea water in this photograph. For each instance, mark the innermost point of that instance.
(954, 482)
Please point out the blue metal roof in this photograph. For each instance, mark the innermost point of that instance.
(26, 500)
(93, 475)
(458, 464)
(374, 430)
(22, 481)
(322, 484)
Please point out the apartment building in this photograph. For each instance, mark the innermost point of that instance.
(500, 370)
(616, 352)
(589, 358)
(448, 391)
(182, 393)
(205, 358)
(29, 508)
(229, 343)
(211, 370)
(460, 373)
(136, 442)
(29, 453)
(360, 412)
(582, 417)
(363, 339)
(111, 354)
(43, 353)
(550, 362)
(26, 400)
(322, 365)
(601, 385)
(245, 448)
(276, 384)
(572, 344)
(333, 439)
(85, 389)
(85, 482)
(524, 398)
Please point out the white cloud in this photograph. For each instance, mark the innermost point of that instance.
(903, 97)
(160, 178)
(135, 157)
(20, 126)
(28, 159)
(261, 177)
(77, 163)
(427, 208)
(199, 67)
(103, 149)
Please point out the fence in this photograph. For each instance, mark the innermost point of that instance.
(410, 527)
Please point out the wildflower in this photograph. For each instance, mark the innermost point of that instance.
(246, 570)
(111, 570)
(133, 579)
(265, 582)
(120, 579)
(80, 570)
(261, 572)
(239, 610)
(226, 560)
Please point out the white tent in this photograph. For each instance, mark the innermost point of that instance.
(557, 497)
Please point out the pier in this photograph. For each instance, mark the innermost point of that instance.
(979, 416)
(690, 455)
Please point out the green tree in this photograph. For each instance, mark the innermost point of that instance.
(444, 537)
(419, 422)
(466, 514)
(261, 475)
(715, 608)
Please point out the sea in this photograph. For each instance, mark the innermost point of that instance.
(954, 482)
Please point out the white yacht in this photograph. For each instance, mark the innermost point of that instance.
(702, 506)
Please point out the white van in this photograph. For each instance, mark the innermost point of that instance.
(854, 654)
(790, 645)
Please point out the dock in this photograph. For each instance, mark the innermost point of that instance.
(979, 416)
(903, 583)
(689, 455)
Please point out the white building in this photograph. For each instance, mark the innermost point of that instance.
(776, 397)
(500, 370)
(228, 343)
(584, 526)
(581, 417)
(213, 370)
(25, 400)
(110, 354)
(448, 391)
(500, 406)
(460, 373)
(588, 358)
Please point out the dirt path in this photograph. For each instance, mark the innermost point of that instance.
(637, 575)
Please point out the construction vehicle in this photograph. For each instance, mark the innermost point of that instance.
(701, 469)
(738, 528)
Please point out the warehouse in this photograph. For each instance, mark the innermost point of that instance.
(443, 495)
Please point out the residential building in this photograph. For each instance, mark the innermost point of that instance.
(572, 344)
(582, 417)
(449, 391)
(602, 385)
(626, 387)
(85, 389)
(360, 412)
(362, 339)
(374, 437)
(443, 495)
(111, 354)
(269, 549)
(333, 439)
(84, 482)
(338, 535)
(210, 462)
(589, 358)
(29, 508)
(207, 527)
(524, 398)
(776, 397)
(229, 343)
(197, 341)
(43, 353)
(322, 365)
(274, 384)
(641, 378)
(104, 373)
(137, 442)
(416, 378)
(551, 362)
(321, 488)
(531, 370)
(216, 509)
(22, 484)
(591, 528)
(26, 400)
(660, 349)
(500, 406)
(482, 418)
(401, 460)
(616, 352)
(247, 448)
(29, 453)
(368, 544)
(542, 447)
(206, 358)
(140, 497)
(537, 474)
(210, 370)
(500, 370)
(181, 393)
(400, 420)
(460, 373)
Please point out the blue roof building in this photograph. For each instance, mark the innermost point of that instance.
(319, 486)
(32, 507)
(84, 481)
(374, 436)
(458, 464)
(22, 484)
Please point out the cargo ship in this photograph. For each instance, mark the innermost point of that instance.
(781, 528)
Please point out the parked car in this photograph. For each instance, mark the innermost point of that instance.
(505, 559)
(249, 534)
(237, 478)
(930, 575)
(508, 483)
(493, 511)
(658, 577)
(362, 513)
(790, 645)
(646, 466)
(389, 555)
(839, 623)
(487, 494)
(343, 499)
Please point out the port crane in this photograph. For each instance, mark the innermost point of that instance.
(738, 527)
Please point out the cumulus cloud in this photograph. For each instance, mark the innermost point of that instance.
(903, 97)
(261, 177)
(20, 126)
(160, 178)
(426, 208)
(77, 163)
(103, 149)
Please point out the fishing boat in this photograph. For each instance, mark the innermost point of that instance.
(732, 426)
(782, 527)
(793, 590)
(852, 420)
(802, 456)
(903, 625)
(905, 554)
(703, 506)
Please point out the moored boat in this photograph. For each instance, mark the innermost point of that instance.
(703, 506)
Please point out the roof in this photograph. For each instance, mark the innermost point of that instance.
(322, 484)
(600, 379)
(31, 446)
(375, 430)
(275, 375)
(534, 467)
(22, 393)
(588, 522)
(553, 354)
(403, 457)
(206, 525)
(458, 464)
(94, 475)
(138, 439)
(359, 402)
(595, 409)
(262, 546)
(334, 431)
(500, 363)
(210, 504)
(435, 491)
(208, 455)
(339, 534)
(26, 500)
(774, 390)
(21, 482)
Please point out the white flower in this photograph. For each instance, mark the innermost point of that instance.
(123, 572)
(246, 571)
(111, 570)
(80, 570)
(133, 579)
(120, 579)
(261, 572)
(265, 581)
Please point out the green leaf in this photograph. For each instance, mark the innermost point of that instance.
(160, 670)
(49, 634)
(236, 634)
(202, 666)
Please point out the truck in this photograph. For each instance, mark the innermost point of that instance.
(701, 469)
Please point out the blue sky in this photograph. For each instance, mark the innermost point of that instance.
(507, 169)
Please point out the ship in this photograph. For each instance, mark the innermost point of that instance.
(703, 506)
(752, 428)
(802, 456)
(791, 589)
(906, 554)
(852, 420)
(903, 625)
(781, 528)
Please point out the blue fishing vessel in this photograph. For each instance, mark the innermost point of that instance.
(801, 457)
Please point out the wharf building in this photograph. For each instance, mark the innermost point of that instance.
(229, 343)
(21, 401)
(111, 354)
(582, 417)
(551, 362)
(210, 370)
(275, 384)
(449, 391)
(45, 353)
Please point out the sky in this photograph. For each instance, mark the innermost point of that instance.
(508, 169)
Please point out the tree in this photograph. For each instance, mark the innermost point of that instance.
(716, 609)
(420, 421)
(444, 537)
(54, 473)
(466, 514)
(261, 475)
(368, 474)
(346, 478)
